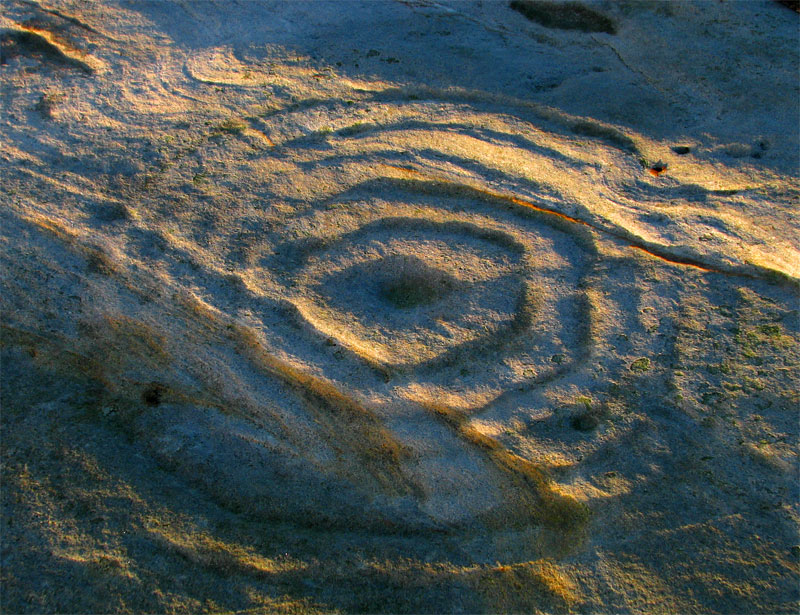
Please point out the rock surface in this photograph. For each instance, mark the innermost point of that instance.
(405, 306)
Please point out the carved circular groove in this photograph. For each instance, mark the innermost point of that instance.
(404, 293)
(467, 295)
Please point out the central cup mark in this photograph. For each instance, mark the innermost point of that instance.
(409, 282)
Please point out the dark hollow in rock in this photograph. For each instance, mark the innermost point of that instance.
(586, 421)
(152, 395)
(759, 148)
(564, 16)
(681, 150)
(112, 213)
(410, 282)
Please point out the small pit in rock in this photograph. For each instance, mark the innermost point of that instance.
(586, 421)
(152, 395)
(564, 15)
(410, 282)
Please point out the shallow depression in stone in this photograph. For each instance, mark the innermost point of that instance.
(409, 282)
